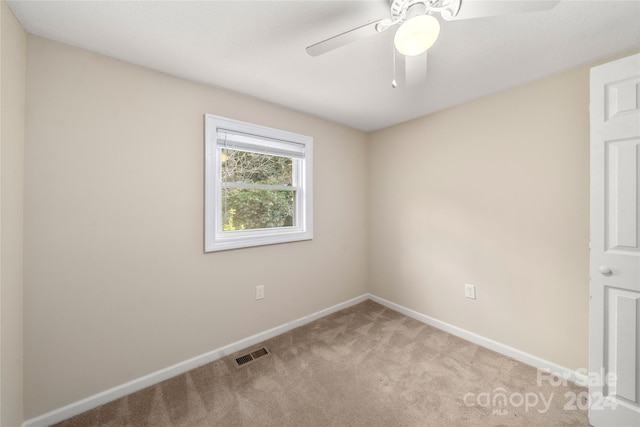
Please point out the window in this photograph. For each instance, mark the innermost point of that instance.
(258, 185)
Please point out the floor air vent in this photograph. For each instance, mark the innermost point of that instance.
(250, 357)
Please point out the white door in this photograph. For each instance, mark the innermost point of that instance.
(614, 310)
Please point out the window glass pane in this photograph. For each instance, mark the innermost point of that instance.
(256, 168)
(248, 209)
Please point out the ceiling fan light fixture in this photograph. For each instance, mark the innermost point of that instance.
(416, 35)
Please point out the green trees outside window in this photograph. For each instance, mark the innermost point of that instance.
(257, 191)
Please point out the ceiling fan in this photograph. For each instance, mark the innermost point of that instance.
(418, 28)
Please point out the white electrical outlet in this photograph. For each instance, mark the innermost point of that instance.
(470, 291)
(260, 292)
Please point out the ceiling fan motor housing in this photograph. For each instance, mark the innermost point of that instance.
(402, 10)
(414, 10)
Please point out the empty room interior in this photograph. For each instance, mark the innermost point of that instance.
(450, 207)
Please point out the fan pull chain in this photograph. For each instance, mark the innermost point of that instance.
(394, 84)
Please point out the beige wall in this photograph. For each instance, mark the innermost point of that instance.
(12, 128)
(493, 193)
(116, 281)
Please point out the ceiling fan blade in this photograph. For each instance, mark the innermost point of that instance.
(415, 68)
(481, 8)
(348, 37)
(409, 71)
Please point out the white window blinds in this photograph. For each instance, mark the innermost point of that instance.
(259, 144)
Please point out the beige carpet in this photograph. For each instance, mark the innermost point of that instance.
(366, 365)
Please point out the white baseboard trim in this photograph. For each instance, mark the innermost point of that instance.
(117, 392)
(114, 393)
(537, 362)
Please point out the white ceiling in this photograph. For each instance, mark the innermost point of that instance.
(258, 48)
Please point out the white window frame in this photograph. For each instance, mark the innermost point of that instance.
(243, 135)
